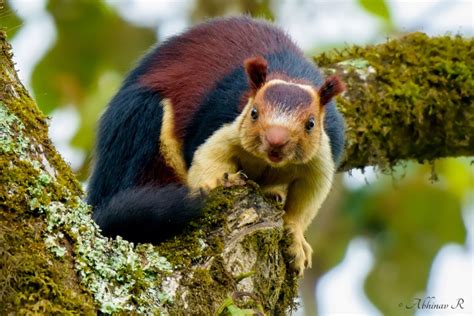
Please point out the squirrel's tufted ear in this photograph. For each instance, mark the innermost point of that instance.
(331, 87)
(256, 69)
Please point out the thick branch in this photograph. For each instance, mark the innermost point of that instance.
(409, 98)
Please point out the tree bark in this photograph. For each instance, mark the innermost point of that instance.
(409, 98)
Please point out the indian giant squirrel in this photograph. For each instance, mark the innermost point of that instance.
(228, 97)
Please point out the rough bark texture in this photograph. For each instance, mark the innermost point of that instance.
(406, 99)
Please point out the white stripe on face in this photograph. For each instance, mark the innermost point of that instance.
(306, 87)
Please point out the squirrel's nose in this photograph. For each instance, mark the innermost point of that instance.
(277, 136)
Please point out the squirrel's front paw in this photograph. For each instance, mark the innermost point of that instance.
(234, 179)
(227, 180)
(299, 251)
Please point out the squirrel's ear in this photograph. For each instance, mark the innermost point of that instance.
(256, 69)
(331, 87)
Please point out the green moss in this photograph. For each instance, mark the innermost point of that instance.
(195, 243)
(409, 98)
(11, 125)
(30, 279)
(215, 281)
(194, 247)
(119, 276)
(280, 299)
(289, 290)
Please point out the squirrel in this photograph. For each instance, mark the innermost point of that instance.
(229, 97)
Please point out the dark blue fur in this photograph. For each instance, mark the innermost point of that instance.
(127, 142)
(128, 137)
(148, 214)
(123, 145)
(335, 127)
(220, 106)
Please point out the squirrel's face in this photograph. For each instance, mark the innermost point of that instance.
(282, 122)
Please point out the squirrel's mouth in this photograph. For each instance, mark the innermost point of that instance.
(275, 156)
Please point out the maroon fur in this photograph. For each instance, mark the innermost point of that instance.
(244, 99)
(186, 67)
(287, 96)
(271, 76)
(285, 77)
(256, 69)
(158, 173)
(331, 87)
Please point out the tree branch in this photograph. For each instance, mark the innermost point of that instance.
(409, 98)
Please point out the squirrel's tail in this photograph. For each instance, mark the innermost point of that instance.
(148, 214)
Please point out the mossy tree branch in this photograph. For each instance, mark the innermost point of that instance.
(409, 98)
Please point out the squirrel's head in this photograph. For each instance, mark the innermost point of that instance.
(282, 121)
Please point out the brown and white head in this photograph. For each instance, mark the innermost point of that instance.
(283, 119)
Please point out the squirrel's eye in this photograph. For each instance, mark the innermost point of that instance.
(254, 114)
(310, 124)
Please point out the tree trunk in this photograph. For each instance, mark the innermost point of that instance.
(409, 98)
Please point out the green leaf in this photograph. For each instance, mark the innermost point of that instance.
(235, 311)
(378, 8)
(227, 302)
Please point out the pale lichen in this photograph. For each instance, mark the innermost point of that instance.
(10, 125)
(359, 66)
(120, 276)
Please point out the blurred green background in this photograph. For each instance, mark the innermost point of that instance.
(380, 241)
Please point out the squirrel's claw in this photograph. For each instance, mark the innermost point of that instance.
(234, 179)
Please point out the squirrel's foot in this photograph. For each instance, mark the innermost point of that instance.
(278, 197)
(299, 250)
(226, 180)
(234, 179)
(276, 193)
